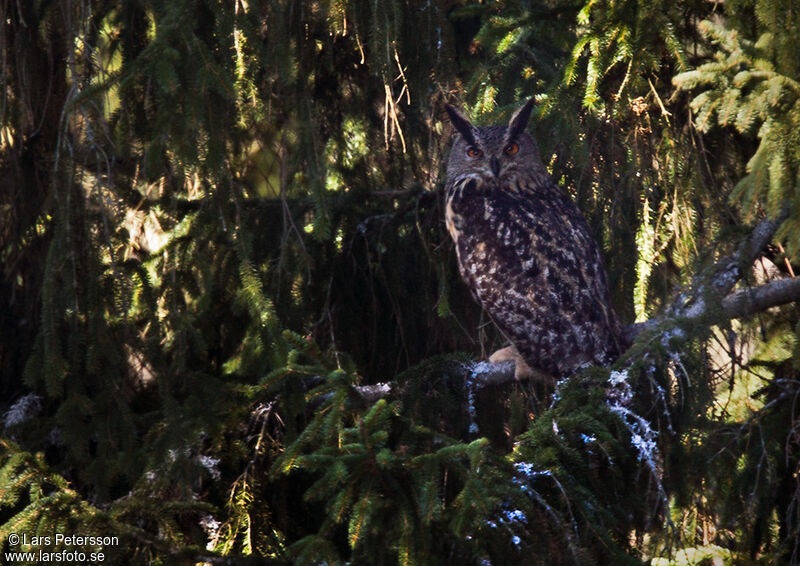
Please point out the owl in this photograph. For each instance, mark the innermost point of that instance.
(525, 250)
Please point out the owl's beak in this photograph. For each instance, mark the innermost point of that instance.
(494, 164)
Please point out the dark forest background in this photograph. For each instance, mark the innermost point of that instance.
(221, 221)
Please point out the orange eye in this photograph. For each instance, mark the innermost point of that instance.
(511, 149)
(474, 152)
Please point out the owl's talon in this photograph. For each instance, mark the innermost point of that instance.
(522, 371)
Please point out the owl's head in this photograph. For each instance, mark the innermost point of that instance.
(494, 153)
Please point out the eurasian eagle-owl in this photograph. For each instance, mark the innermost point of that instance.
(525, 250)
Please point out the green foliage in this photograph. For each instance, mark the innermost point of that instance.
(639, 36)
(219, 222)
(579, 455)
(40, 503)
(753, 86)
(385, 482)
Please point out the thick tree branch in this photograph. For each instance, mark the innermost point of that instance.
(691, 304)
(727, 272)
(749, 301)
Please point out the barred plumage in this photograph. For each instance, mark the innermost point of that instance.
(525, 250)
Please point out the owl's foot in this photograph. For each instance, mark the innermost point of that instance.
(522, 371)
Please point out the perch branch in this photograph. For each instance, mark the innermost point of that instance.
(691, 305)
(737, 305)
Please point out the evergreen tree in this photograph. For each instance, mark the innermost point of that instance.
(232, 328)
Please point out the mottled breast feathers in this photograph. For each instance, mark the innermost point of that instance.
(525, 250)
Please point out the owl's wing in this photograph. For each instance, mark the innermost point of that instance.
(559, 270)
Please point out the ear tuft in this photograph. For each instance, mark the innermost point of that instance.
(519, 120)
(462, 124)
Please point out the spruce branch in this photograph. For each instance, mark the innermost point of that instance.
(757, 299)
(693, 304)
(739, 304)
